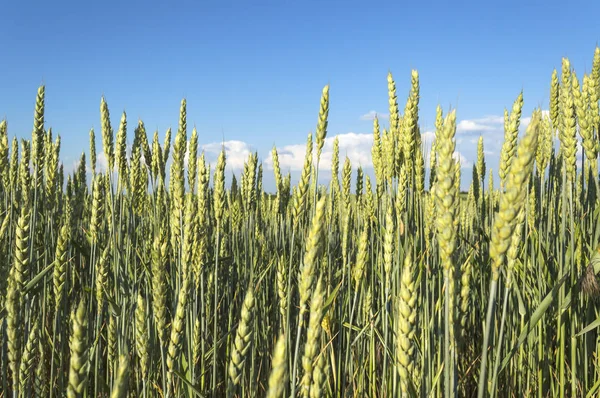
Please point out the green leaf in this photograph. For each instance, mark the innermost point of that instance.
(522, 310)
(190, 385)
(33, 283)
(534, 319)
(589, 327)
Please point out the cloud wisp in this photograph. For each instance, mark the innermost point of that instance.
(372, 114)
(236, 153)
(357, 146)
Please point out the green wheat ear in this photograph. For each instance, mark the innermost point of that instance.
(313, 337)
(513, 199)
(279, 374)
(242, 340)
(407, 313)
(120, 387)
(313, 249)
(79, 364)
(142, 335)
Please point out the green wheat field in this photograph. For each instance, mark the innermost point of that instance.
(152, 277)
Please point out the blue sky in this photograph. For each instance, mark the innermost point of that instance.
(252, 71)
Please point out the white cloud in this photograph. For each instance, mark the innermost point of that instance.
(428, 137)
(371, 116)
(490, 119)
(236, 153)
(467, 126)
(526, 120)
(101, 162)
(291, 157)
(464, 162)
(354, 145)
(491, 128)
(483, 124)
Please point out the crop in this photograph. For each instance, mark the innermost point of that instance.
(149, 276)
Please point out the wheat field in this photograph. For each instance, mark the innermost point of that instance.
(152, 278)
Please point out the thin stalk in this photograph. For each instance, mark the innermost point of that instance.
(215, 315)
(486, 338)
(500, 339)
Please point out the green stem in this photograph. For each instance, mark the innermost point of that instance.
(499, 348)
(215, 315)
(486, 338)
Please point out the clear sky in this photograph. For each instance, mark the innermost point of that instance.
(252, 71)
